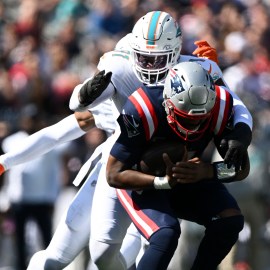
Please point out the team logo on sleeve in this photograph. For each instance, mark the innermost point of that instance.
(131, 125)
(215, 76)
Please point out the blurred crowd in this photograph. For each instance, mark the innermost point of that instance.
(48, 47)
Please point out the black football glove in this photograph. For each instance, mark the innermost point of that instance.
(94, 87)
(235, 145)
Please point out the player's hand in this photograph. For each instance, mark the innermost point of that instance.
(94, 87)
(192, 171)
(235, 153)
(169, 173)
(205, 50)
(235, 145)
(2, 169)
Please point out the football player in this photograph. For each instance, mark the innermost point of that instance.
(192, 110)
(155, 45)
(126, 79)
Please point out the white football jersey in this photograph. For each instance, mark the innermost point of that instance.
(125, 81)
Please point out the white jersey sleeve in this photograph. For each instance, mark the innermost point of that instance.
(105, 116)
(42, 142)
(124, 81)
(106, 63)
(241, 113)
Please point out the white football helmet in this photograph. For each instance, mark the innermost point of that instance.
(189, 98)
(156, 41)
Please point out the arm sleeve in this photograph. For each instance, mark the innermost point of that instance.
(43, 141)
(105, 115)
(241, 113)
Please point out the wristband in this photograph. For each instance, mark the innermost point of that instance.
(222, 172)
(161, 183)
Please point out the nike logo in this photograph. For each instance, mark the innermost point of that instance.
(134, 123)
(131, 126)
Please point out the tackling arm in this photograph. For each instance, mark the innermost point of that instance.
(68, 129)
(92, 92)
(222, 172)
(46, 139)
(204, 50)
(241, 113)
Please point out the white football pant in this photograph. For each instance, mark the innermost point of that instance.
(73, 232)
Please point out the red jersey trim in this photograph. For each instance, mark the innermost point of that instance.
(146, 111)
(142, 221)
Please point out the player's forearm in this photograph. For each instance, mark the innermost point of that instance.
(119, 177)
(130, 179)
(42, 142)
(224, 174)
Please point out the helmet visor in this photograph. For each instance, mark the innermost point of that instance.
(151, 62)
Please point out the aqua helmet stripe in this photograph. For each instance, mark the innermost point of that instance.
(153, 27)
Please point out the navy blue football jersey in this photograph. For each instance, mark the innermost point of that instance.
(143, 119)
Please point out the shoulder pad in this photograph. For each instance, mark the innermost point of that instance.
(123, 43)
(114, 61)
(222, 110)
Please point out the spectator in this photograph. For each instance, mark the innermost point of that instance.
(32, 188)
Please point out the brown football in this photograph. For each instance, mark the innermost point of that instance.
(152, 161)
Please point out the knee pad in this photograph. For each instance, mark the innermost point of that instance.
(41, 261)
(230, 226)
(220, 236)
(224, 232)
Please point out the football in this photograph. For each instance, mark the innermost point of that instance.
(152, 160)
